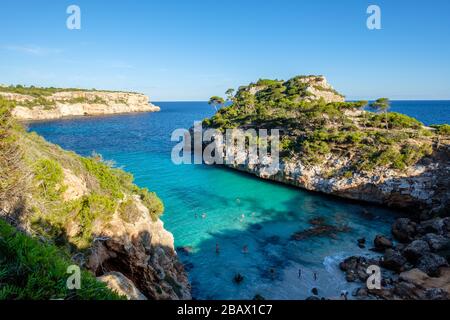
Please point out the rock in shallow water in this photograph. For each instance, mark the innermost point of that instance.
(382, 243)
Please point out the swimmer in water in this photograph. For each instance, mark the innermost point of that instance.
(315, 276)
(217, 248)
(204, 216)
(300, 273)
(245, 249)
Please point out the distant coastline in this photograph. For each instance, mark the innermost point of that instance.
(32, 103)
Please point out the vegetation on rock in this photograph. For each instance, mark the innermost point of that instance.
(33, 270)
(37, 194)
(314, 129)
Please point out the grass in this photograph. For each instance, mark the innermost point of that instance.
(32, 270)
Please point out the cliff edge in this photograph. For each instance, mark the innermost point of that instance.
(49, 103)
(89, 212)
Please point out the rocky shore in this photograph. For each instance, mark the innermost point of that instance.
(415, 263)
(78, 103)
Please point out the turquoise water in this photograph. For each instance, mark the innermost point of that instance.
(239, 210)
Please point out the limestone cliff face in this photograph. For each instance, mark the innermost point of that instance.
(423, 187)
(138, 259)
(315, 87)
(79, 103)
(135, 256)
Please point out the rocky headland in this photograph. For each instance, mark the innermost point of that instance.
(48, 103)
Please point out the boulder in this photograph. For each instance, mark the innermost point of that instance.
(404, 230)
(123, 286)
(430, 263)
(431, 226)
(355, 268)
(436, 242)
(393, 260)
(415, 250)
(382, 243)
(447, 224)
(415, 284)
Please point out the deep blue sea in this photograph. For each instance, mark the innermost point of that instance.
(238, 210)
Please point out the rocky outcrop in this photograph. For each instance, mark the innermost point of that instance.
(420, 263)
(423, 187)
(143, 252)
(315, 88)
(122, 285)
(319, 88)
(79, 103)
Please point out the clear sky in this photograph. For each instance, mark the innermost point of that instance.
(193, 49)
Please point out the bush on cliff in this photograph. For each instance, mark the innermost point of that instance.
(443, 129)
(32, 270)
(314, 129)
(62, 199)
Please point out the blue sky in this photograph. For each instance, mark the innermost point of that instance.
(191, 50)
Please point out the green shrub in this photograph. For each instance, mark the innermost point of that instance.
(112, 180)
(129, 212)
(49, 177)
(152, 202)
(443, 129)
(39, 102)
(31, 270)
(395, 121)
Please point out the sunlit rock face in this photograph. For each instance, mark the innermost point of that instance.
(79, 103)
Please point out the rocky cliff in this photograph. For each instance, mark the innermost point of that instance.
(423, 187)
(339, 148)
(77, 103)
(91, 211)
